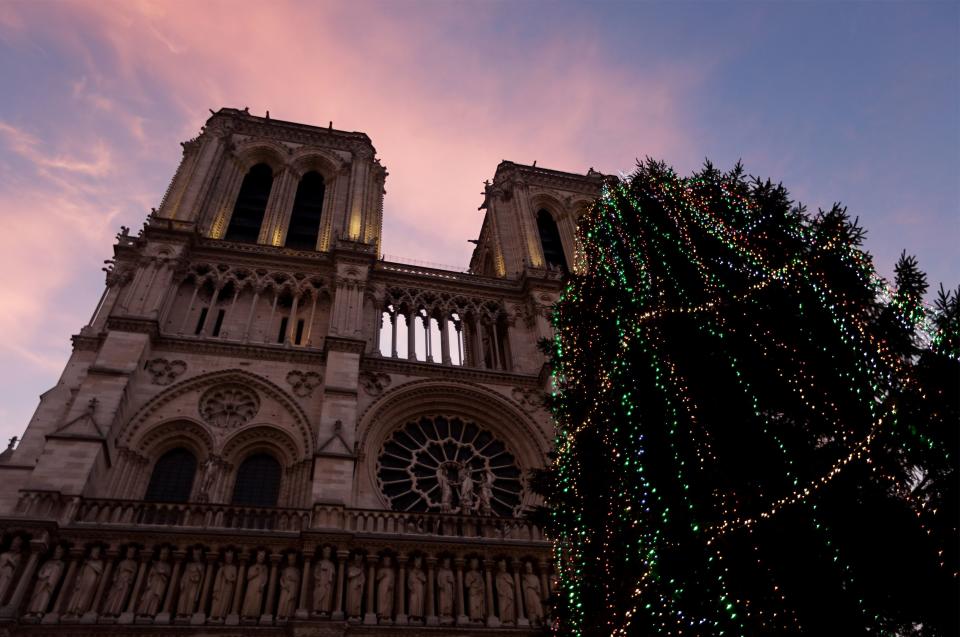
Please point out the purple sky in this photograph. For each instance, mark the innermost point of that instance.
(845, 101)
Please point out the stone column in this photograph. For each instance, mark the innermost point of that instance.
(544, 584)
(26, 577)
(393, 334)
(291, 336)
(233, 618)
(66, 587)
(308, 332)
(268, 335)
(303, 609)
(370, 617)
(461, 614)
(186, 315)
(400, 589)
(127, 616)
(342, 557)
(444, 340)
(429, 611)
(163, 617)
(253, 307)
(411, 337)
(478, 338)
(267, 617)
(492, 620)
(110, 556)
(229, 315)
(206, 327)
(200, 614)
(427, 345)
(518, 594)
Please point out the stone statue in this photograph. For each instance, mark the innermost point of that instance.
(355, 581)
(532, 594)
(47, 579)
(416, 585)
(190, 585)
(466, 490)
(505, 594)
(85, 586)
(385, 587)
(486, 493)
(256, 581)
(152, 596)
(474, 583)
(9, 563)
(123, 580)
(446, 583)
(209, 472)
(223, 587)
(289, 587)
(323, 573)
(446, 490)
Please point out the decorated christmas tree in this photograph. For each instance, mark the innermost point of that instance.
(757, 435)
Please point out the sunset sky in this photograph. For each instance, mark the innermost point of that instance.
(849, 101)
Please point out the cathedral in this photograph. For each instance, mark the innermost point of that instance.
(265, 425)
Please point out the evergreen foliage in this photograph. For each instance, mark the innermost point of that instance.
(755, 435)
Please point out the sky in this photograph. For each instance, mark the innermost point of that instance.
(856, 102)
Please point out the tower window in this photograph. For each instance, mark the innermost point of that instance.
(172, 477)
(219, 322)
(200, 321)
(258, 481)
(307, 209)
(299, 332)
(251, 205)
(281, 336)
(550, 240)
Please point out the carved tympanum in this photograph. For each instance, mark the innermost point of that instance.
(229, 406)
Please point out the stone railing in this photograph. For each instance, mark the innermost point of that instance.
(77, 511)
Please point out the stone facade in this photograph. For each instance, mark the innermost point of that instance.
(307, 439)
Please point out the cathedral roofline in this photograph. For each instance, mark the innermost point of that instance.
(244, 114)
(505, 166)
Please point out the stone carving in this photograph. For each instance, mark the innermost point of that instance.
(374, 383)
(355, 582)
(303, 383)
(229, 406)
(529, 399)
(9, 563)
(47, 579)
(256, 581)
(164, 372)
(474, 583)
(224, 586)
(445, 588)
(210, 472)
(385, 587)
(289, 588)
(323, 574)
(435, 464)
(152, 596)
(416, 585)
(122, 583)
(505, 594)
(85, 585)
(190, 585)
(532, 594)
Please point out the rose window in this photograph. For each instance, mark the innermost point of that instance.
(449, 465)
(229, 406)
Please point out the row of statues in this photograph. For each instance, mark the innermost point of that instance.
(230, 587)
(473, 497)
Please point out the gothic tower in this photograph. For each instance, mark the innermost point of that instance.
(265, 423)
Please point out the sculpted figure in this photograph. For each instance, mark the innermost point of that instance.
(209, 472)
(416, 584)
(152, 596)
(385, 583)
(223, 587)
(532, 594)
(47, 578)
(85, 585)
(123, 579)
(446, 490)
(190, 585)
(9, 562)
(486, 493)
(323, 574)
(474, 582)
(256, 581)
(289, 587)
(355, 581)
(466, 490)
(505, 594)
(445, 588)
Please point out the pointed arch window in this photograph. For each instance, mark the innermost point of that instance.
(307, 209)
(258, 481)
(550, 240)
(251, 205)
(172, 477)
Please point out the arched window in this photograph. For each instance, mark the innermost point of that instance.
(258, 481)
(305, 218)
(251, 205)
(172, 477)
(550, 240)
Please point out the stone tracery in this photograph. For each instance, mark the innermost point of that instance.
(228, 406)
